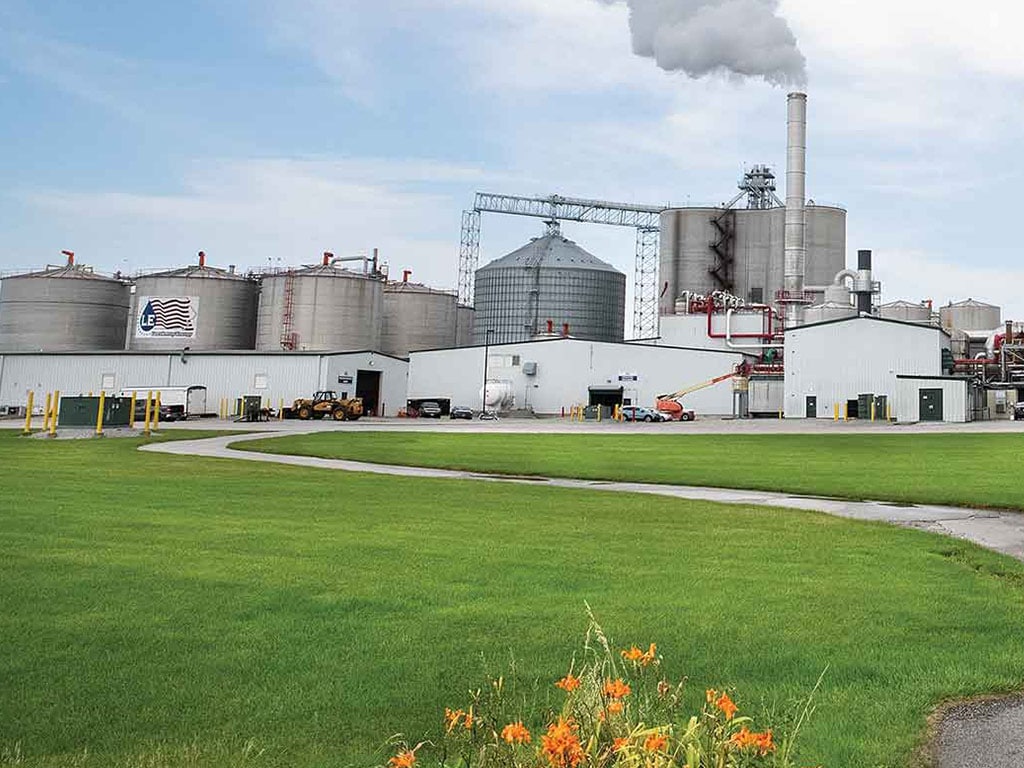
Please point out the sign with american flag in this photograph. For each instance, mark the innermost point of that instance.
(167, 317)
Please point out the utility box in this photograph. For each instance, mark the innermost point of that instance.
(864, 403)
(881, 407)
(81, 412)
(248, 407)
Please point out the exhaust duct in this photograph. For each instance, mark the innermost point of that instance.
(796, 215)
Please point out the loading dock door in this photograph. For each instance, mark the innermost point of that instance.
(606, 397)
(812, 407)
(368, 388)
(931, 405)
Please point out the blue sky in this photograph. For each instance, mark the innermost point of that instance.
(265, 132)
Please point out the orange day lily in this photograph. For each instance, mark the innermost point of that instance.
(515, 733)
(405, 759)
(568, 683)
(616, 689)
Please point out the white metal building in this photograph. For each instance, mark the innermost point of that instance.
(380, 379)
(933, 398)
(551, 374)
(836, 362)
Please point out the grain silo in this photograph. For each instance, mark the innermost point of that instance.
(742, 252)
(416, 317)
(322, 307)
(971, 315)
(199, 307)
(907, 311)
(549, 279)
(65, 308)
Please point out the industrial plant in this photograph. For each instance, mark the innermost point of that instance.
(748, 309)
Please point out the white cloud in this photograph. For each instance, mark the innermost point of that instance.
(279, 211)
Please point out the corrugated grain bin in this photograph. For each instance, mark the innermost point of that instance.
(549, 279)
(63, 309)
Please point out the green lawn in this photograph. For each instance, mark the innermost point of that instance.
(170, 611)
(956, 469)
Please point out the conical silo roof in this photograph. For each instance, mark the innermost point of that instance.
(551, 250)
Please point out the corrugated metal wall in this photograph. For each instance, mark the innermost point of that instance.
(955, 399)
(567, 368)
(225, 376)
(836, 362)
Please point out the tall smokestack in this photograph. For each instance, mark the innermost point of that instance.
(796, 213)
(863, 285)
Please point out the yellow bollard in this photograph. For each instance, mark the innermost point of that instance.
(28, 412)
(46, 413)
(846, 412)
(835, 412)
(888, 412)
(280, 411)
(872, 410)
(99, 414)
(54, 412)
(131, 413)
(149, 407)
(156, 413)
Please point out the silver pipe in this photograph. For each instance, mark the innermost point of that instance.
(796, 200)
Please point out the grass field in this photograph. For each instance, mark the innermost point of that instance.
(169, 611)
(955, 469)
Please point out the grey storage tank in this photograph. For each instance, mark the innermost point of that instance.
(322, 307)
(417, 317)
(549, 279)
(697, 243)
(199, 307)
(466, 316)
(66, 308)
(971, 315)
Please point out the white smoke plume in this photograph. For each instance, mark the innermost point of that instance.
(745, 38)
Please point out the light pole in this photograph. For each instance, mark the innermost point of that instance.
(483, 394)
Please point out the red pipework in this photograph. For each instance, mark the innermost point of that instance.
(976, 361)
(71, 257)
(202, 258)
(405, 275)
(551, 327)
(565, 330)
(327, 257)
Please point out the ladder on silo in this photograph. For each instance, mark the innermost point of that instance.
(288, 336)
(723, 268)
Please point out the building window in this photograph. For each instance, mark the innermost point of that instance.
(260, 381)
(107, 381)
(757, 295)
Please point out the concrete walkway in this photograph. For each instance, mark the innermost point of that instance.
(969, 735)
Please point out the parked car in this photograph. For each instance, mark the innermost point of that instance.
(461, 412)
(639, 413)
(488, 416)
(430, 410)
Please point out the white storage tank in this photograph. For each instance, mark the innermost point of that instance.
(66, 308)
(322, 307)
(906, 311)
(971, 315)
(417, 317)
(199, 307)
(821, 313)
